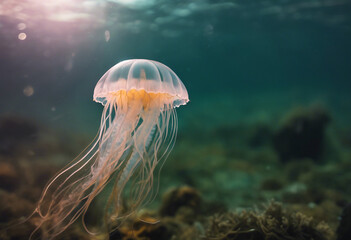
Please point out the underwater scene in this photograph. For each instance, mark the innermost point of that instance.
(175, 119)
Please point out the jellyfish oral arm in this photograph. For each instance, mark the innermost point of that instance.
(136, 158)
(115, 141)
(142, 139)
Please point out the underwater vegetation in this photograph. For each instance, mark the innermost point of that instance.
(273, 223)
(302, 134)
(137, 131)
(190, 221)
(226, 198)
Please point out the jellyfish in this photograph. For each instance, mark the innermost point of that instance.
(137, 131)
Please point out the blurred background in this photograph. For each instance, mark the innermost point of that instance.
(269, 86)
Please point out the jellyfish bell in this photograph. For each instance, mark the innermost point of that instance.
(146, 76)
(137, 131)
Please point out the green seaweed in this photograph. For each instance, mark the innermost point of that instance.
(272, 224)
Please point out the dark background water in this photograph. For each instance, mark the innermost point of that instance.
(249, 55)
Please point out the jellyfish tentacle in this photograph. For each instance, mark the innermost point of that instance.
(169, 124)
(90, 151)
(67, 198)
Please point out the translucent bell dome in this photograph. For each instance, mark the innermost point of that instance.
(141, 74)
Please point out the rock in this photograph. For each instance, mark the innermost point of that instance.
(147, 226)
(176, 221)
(271, 184)
(301, 134)
(344, 229)
(142, 230)
(183, 201)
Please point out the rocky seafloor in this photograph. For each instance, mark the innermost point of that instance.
(233, 181)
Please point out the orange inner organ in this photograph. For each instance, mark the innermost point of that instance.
(122, 97)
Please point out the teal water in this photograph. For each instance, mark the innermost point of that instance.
(233, 48)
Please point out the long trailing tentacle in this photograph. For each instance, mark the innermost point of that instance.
(82, 180)
(47, 207)
(132, 140)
